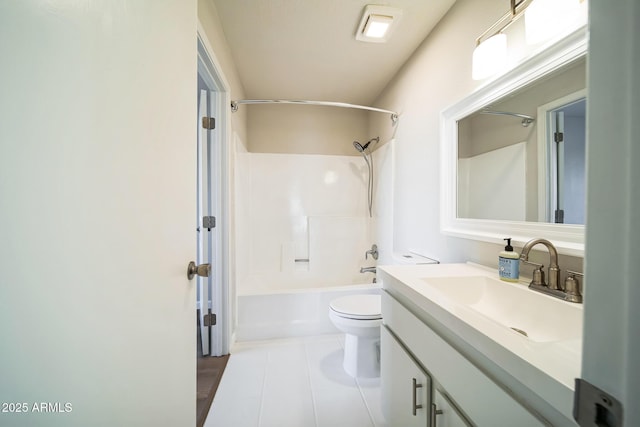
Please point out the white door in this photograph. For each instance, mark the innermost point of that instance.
(97, 201)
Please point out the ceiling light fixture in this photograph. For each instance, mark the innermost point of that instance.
(377, 23)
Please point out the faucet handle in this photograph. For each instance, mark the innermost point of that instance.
(574, 273)
(572, 286)
(538, 273)
(538, 276)
(373, 252)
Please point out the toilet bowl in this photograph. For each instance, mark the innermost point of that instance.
(359, 317)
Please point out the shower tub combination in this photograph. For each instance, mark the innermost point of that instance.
(291, 312)
(303, 237)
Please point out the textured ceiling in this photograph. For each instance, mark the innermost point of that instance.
(306, 49)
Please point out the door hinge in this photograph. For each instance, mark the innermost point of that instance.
(593, 407)
(558, 136)
(210, 319)
(559, 216)
(209, 122)
(209, 222)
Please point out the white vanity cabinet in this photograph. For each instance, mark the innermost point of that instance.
(444, 413)
(406, 387)
(410, 397)
(464, 394)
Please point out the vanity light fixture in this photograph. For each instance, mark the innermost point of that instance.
(377, 23)
(490, 54)
(545, 19)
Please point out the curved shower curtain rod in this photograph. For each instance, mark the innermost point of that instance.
(526, 120)
(234, 105)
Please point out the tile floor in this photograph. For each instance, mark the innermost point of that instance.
(294, 383)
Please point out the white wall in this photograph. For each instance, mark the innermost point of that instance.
(97, 187)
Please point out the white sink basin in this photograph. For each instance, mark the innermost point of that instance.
(538, 317)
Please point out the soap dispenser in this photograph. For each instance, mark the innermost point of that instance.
(509, 263)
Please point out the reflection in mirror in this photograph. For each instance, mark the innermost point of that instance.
(563, 194)
(521, 158)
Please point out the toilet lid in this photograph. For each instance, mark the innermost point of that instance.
(363, 307)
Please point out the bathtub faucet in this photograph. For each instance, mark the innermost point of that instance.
(368, 270)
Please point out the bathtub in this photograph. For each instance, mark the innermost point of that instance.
(292, 312)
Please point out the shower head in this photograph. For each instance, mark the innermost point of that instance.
(359, 146)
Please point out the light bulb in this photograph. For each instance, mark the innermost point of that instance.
(489, 57)
(545, 19)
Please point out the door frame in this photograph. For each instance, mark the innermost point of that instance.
(211, 71)
(544, 142)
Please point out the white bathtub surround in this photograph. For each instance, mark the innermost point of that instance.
(487, 192)
(291, 313)
(304, 219)
(294, 382)
(384, 165)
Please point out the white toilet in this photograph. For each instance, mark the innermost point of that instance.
(359, 317)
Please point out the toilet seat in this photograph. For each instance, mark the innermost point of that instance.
(358, 307)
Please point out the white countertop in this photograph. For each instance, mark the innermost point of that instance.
(546, 368)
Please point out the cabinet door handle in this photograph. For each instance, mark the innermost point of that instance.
(434, 411)
(416, 386)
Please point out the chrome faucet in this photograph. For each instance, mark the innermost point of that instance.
(373, 252)
(368, 270)
(538, 274)
(572, 293)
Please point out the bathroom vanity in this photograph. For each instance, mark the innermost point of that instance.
(459, 347)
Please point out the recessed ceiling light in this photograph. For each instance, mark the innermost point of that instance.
(377, 23)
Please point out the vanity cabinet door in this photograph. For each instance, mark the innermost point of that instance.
(405, 387)
(444, 413)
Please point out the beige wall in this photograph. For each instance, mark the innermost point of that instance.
(210, 21)
(434, 78)
(283, 128)
(490, 132)
(305, 129)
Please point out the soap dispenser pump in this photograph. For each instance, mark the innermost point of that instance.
(509, 263)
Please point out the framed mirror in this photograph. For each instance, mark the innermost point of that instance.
(513, 153)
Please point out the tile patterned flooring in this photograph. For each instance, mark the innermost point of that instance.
(296, 382)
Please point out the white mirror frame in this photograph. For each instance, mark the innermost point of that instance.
(568, 239)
